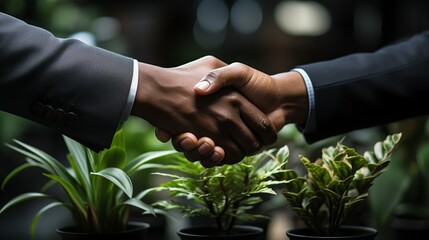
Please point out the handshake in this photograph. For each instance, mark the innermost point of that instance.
(217, 113)
(213, 112)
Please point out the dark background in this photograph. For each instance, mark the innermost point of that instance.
(163, 33)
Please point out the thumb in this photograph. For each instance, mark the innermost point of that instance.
(230, 75)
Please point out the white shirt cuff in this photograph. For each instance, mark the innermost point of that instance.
(311, 120)
(132, 94)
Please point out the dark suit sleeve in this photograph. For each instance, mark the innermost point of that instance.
(76, 89)
(370, 89)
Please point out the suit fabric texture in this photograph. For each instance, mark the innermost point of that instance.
(369, 89)
(76, 89)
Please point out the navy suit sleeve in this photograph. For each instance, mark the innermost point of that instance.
(76, 89)
(370, 89)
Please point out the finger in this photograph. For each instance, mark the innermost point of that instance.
(238, 140)
(209, 61)
(218, 155)
(215, 159)
(162, 135)
(259, 124)
(233, 124)
(248, 142)
(232, 156)
(185, 142)
(203, 149)
(277, 118)
(211, 155)
(235, 74)
(207, 151)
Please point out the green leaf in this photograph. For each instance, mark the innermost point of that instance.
(39, 214)
(77, 151)
(145, 192)
(22, 198)
(118, 139)
(73, 192)
(45, 160)
(91, 199)
(113, 157)
(119, 178)
(333, 188)
(379, 151)
(139, 162)
(14, 172)
(283, 154)
(77, 157)
(140, 205)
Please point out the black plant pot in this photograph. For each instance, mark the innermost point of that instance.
(239, 232)
(135, 231)
(345, 233)
(405, 226)
(158, 226)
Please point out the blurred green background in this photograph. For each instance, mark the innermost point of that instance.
(272, 36)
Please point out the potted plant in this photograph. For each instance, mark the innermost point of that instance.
(226, 195)
(140, 137)
(97, 185)
(333, 187)
(410, 214)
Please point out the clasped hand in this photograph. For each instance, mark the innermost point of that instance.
(221, 127)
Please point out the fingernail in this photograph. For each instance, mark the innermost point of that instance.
(216, 157)
(187, 144)
(204, 149)
(203, 85)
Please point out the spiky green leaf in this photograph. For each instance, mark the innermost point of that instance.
(119, 178)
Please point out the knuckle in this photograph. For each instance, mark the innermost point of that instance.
(234, 99)
(212, 60)
(224, 118)
(245, 71)
(265, 123)
(239, 66)
(209, 58)
(269, 131)
(211, 76)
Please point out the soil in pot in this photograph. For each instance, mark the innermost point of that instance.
(239, 232)
(135, 231)
(345, 233)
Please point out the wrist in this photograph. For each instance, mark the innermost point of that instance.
(294, 103)
(142, 102)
